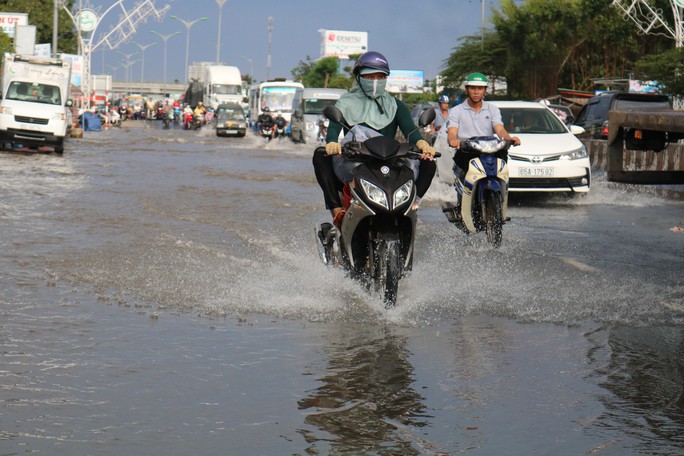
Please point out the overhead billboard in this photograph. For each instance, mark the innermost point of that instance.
(337, 43)
(406, 81)
(8, 22)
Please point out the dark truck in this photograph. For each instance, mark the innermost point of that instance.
(593, 116)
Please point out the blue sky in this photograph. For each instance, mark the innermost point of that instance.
(413, 34)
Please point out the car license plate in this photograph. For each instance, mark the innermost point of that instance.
(535, 172)
(231, 132)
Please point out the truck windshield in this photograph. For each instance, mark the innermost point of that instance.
(34, 92)
(316, 105)
(227, 89)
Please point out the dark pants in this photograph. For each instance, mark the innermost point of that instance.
(331, 185)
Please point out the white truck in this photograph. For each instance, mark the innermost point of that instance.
(222, 84)
(35, 101)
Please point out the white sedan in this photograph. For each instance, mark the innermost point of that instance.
(550, 157)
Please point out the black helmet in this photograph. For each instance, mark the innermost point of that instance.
(371, 59)
(266, 109)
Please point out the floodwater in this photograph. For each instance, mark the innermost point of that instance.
(162, 295)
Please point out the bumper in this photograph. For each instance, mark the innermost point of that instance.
(544, 177)
(31, 138)
(231, 131)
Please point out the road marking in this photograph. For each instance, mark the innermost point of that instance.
(579, 265)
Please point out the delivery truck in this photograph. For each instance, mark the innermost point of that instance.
(35, 101)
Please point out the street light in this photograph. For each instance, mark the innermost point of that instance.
(165, 38)
(220, 4)
(187, 25)
(128, 61)
(142, 50)
(127, 64)
(251, 67)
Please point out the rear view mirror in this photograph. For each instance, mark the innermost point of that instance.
(426, 117)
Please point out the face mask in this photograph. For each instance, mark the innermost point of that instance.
(374, 88)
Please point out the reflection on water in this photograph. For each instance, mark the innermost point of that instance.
(366, 403)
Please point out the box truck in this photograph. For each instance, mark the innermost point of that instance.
(35, 101)
(222, 84)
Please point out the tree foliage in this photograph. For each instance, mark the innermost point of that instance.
(667, 68)
(321, 73)
(542, 45)
(40, 14)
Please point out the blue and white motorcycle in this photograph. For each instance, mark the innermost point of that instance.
(481, 181)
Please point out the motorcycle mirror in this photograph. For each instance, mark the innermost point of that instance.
(426, 117)
(334, 114)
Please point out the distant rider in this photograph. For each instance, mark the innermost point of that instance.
(265, 119)
(280, 122)
(442, 113)
(368, 104)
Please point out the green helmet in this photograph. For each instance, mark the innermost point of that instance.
(476, 79)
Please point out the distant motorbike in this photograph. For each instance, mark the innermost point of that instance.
(376, 239)
(198, 121)
(267, 131)
(177, 114)
(482, 189)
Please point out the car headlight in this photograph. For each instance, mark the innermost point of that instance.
(6, 111)
(403, 194)
(375, 193)
(575, 154)
(59, 116)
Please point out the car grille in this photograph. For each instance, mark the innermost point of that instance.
(31, 120)
(534, 159)
(546, 182)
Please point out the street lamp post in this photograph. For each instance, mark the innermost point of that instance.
(220, 4)
(251, 67)
(165, 38)
(188, 25)
(142, 51)
(128, 61)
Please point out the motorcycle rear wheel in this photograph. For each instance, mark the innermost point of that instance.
(493, 219)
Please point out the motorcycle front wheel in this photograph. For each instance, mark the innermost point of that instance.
(387, 269)
(493, 219)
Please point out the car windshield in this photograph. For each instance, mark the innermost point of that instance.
(34, 92)
(230, 114)
(530, 120)
(316, 105)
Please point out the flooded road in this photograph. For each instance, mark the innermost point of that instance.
(162, 295)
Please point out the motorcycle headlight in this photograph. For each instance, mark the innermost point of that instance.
(488, 146)
(403, 194)
(375, 193)
(575, 154)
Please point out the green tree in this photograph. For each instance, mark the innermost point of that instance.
(40, 14)
(6, 43)
(321, 73)
(474, 54)
(667, 68)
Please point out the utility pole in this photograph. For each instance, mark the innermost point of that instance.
(55, 25)
(268, 59)
(220, 4)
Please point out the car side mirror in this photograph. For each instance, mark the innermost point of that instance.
(577, 130)
(69, 103)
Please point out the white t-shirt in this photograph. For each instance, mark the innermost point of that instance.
(471, 123)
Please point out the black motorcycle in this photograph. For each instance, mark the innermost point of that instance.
(376, 238)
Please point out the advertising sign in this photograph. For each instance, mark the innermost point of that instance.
(406, 81)
(343, 44)
(76, 68)
(636, 86)
(8, 21)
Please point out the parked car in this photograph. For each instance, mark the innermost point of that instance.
(550, 158)
(593, 116)
(229, 120)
